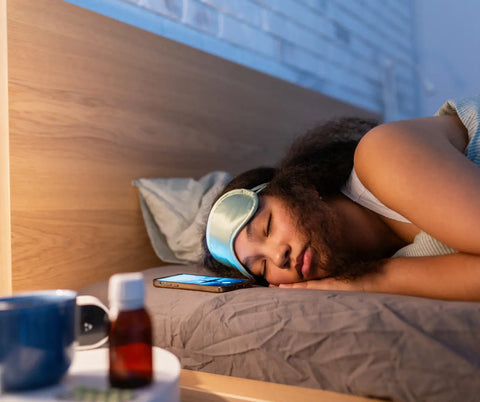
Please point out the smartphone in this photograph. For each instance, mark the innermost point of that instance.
(204, 283)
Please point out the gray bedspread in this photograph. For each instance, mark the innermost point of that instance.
(385, 346)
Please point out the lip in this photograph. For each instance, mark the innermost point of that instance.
(303, 263)
(300, 263)
(307, 262)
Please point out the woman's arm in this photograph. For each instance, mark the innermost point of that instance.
(448, 277)
(417, 168)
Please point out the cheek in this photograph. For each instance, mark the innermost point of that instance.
(282, 276)
(292, 227)
(287, 225)
(295, 234)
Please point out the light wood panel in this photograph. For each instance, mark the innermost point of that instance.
(5, 235)
(95, 103)
(197, 386)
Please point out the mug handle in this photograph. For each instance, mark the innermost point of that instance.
(92, 320)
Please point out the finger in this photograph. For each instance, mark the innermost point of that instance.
(294, 285)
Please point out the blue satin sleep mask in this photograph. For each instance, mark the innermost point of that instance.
(228, 216)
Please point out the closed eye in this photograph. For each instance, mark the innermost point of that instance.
(269, 223)
(267, 232)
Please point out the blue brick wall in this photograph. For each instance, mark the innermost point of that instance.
(337, 47)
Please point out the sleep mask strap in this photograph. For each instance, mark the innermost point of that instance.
(259, 188)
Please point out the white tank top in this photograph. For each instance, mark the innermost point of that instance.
(356, 191)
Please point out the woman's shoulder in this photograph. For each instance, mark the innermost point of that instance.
(402, 139)
(418, 168)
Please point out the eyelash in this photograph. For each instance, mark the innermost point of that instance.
(267, 232)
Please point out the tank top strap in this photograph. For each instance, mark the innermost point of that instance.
(358, 193)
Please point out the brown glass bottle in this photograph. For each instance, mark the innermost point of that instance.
(130, 336)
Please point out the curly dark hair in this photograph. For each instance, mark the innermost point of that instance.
(322, 160)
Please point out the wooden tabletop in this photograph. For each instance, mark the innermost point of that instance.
(196, 386)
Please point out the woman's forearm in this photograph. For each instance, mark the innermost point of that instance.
(449, 277)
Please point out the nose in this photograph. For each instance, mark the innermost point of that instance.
(281, 255)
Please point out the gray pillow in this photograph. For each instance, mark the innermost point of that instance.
(175, 212)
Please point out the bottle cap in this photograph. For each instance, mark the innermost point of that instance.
(126, 291)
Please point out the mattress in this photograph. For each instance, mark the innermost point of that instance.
(379, 345)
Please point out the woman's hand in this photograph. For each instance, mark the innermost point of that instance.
(448, 277)
(357, 285)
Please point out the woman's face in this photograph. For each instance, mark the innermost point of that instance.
(272, 246)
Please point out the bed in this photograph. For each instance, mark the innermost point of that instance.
(94, 104)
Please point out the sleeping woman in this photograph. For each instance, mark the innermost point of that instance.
(390, 208)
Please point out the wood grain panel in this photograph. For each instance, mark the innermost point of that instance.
(95, 103)
(5, 235)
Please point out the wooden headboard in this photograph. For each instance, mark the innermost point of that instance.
(94, 103)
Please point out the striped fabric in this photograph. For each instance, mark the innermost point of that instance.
(467, 111)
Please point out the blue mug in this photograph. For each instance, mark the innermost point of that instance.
(37, 338)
